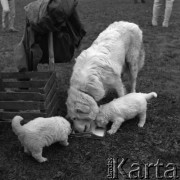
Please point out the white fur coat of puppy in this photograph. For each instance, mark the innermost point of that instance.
(118, 49)
(124, 108)
(41, 132)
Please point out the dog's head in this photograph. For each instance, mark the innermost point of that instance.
(80, 106)
(82, 125)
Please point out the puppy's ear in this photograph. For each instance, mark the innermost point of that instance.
(82, 108)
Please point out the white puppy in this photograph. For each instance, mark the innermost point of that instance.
(41, 132)
(124, 108)
(118, 49)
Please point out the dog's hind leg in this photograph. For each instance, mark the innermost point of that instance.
(133, 70)
(135, 64)
(38, 156)
(142, 119)
(135, 61)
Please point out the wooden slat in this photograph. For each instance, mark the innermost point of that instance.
(52, 103)
(1, 85)
(30, 90)
(22, 105)
(50, 94)
(54, 109)
(26, 115)
(27, 96)
(49, 83)
(23, 75)
(24, 84)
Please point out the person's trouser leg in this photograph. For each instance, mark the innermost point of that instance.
(156, 10)
(167, 13)
(5, 12)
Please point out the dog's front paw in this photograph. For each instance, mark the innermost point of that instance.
(27, 151)
(43, 160)
(141, 125)
(65, 143)
(110, 132)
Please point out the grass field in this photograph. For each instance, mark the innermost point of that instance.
(87, 158)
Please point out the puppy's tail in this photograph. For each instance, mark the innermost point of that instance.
(150, 95)
(16, 126)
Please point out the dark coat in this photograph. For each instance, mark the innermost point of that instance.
(59, 17)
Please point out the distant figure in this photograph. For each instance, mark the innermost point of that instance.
(142, 1)
(8, 15)
(158, 4)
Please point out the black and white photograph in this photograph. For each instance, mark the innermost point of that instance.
(89, 89)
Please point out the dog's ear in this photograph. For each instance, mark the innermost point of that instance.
(82, 108)
(107, 74)
(95, 87)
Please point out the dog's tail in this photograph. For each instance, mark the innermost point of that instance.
(150, 95)
(16, 126)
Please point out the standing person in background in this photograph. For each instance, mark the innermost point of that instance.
(8, 15)
(167, 13)
(136, 1)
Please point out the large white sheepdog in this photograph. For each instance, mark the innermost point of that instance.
(118, 49)
(41, 132)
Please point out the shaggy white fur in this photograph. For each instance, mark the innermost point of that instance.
(124, 108)
(41, 132)
(118, 49)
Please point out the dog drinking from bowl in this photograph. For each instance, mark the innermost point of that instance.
(117, 50)
(124, 108)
